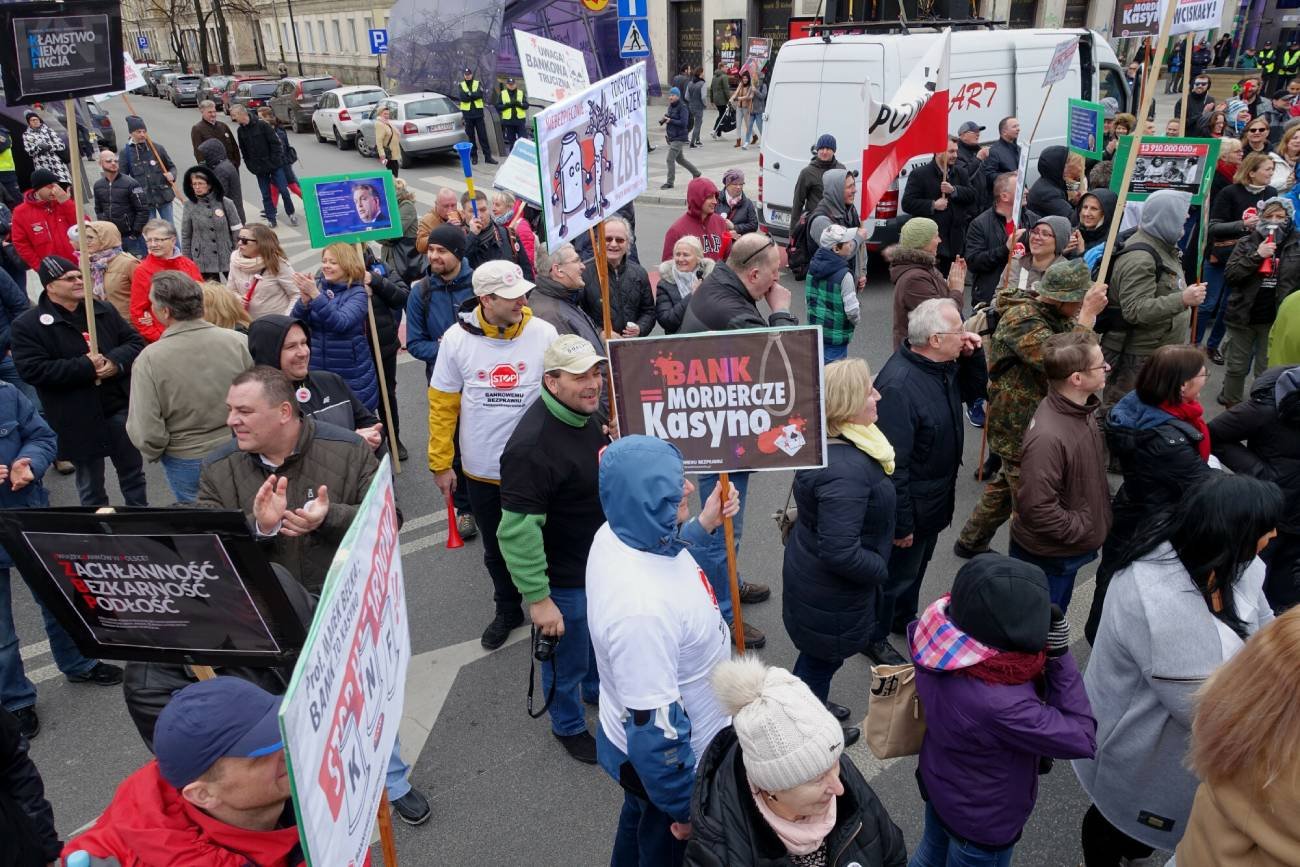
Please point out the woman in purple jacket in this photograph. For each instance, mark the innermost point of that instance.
(1002, 697)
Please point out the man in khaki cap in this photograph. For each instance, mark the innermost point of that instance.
(488, 371)
(550, 512)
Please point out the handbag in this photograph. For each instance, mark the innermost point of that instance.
(895, 724)
(787, 517)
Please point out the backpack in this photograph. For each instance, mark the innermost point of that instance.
(1112, 317)
(798, 248)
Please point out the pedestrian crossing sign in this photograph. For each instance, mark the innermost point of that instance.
(633, 37)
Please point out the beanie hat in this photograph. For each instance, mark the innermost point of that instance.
(834, 235)
(917, 233)
(1061, 230)
(134, 123)
(54, 267)
(1003, 603)
(42, 178)
(787, 736)
(733, 176)
(674, 91)
(450, 237)
(826, 140)
(1281, 202)
(1066, 281)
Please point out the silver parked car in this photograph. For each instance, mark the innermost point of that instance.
(426, 123)
(339, 112)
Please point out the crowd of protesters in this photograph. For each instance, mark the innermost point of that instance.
(589, 536)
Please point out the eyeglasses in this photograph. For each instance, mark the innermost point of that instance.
(770, 243)
(1258, 129)
(1102, 366)
(157, 240)
(1047, 235)
(247, 240)
(609, 240)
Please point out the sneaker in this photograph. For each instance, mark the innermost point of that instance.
(293, 221)
(29, 724)
(966, 553)
(666, 187)
(975, 413)
(413, 807)
(852, 734)
(744, 147)
(65, 468)
(499, 629)
(839, 711)
(754, 638)
(466, 526)
(489, 161)
(102, 674)
(883, 653)
(581, 746)
(751, 593)
(1215, 355)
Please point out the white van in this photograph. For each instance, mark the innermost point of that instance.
(819, 85)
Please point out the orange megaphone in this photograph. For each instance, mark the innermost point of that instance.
(453, 534)
(1266, 267)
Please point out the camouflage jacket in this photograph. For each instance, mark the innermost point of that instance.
(1017, 382)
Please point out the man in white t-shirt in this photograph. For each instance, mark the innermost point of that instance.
(657, 635)
(489, 370)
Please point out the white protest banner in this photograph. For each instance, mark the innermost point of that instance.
(1192, 16)
(552, 70)
(341, 711)
(133, 78)
(1060, 65)
(518, 174)
(591, 153)
(1022, 173)
(1138, 18)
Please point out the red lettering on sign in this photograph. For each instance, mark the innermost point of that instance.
(974, 94)
(504, 377)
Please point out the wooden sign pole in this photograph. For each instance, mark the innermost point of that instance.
(386, 842)
(74, 147)
(389, 427)
(733, 579)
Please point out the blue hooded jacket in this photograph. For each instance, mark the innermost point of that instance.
(431, 310)
(1132, 413)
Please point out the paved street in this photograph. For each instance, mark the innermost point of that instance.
(502, 789)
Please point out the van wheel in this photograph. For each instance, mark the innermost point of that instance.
(320, 138)
(341, 141)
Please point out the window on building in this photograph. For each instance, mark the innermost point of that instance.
(370, 25)
(303, 32)
(267, 37)
(338, 36)
(284, 35)
(352, 31)
(320, 31)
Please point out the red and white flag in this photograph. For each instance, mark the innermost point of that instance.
(912, 123)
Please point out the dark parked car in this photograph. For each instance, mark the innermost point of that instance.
(102, 125)
(295, 99)
(184, 90)
(252, 95)
(213, 86)
(153, 78)
(223, 101)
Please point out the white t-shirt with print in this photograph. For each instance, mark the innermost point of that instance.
(657, 634)
(497, 379)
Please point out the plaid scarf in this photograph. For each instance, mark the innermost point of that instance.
(937, 643)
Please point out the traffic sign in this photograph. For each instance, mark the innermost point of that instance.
(143, 42)
(379, 41)
(632, 8)
(633, 36)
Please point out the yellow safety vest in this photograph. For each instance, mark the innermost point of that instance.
(466, 88)
(1291, 61)
(513, 104)
(1265, 59)
(7, 160)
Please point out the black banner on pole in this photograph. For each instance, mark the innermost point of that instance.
(156, 585)
(56, 51)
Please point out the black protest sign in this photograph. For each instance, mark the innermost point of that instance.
(56, 51)
(730, 401)
(181, 586)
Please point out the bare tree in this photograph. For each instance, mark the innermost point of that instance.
(171, 12)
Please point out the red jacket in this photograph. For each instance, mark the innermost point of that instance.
(141, 307)
(149, 824)
(40, 229)
(712, 233)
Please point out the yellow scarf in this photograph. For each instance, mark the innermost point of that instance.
(869, 439)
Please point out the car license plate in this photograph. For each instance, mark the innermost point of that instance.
(441, 127)
(778, 217)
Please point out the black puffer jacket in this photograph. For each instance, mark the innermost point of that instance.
(1004, 156)
(837, 557)
(1047, 194)
(921, 416)
(1260, 437)
(744, 217)
(728, 831)
(722, 303)
(26, 818)
(629, 296)
(1243, 278)
(986, 254)
(121, 201)
(388, 297)
(923, 189)
(260, 146)
(137, 160)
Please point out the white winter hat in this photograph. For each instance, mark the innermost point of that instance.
(787, 736)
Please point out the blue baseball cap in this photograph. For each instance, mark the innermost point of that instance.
(214, 719)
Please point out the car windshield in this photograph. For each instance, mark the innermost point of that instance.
(430, 107)
(363, 97)
(318, 85)
(262, 88)
(188, 79)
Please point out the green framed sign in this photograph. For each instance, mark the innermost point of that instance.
(352, 208)
(1185, 164)
(1084, 128)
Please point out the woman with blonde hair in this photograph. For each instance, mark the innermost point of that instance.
(509, 212)
(111, 267)
(678, 278)
(334, 305)
(1287, 156)
(1246, 751)
(837, 555)
(399, 254)
(260, 274)
(221, 307)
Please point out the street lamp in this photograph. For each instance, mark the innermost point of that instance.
(294, 27)
(275, 10)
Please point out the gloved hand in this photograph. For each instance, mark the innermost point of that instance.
(1058, 634)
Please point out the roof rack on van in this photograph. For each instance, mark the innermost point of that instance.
(899, 26)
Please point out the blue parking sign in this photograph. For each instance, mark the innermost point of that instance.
(379, 41)
(143, 42)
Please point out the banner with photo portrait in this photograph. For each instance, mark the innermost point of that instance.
(730, 401)
(1185, 164)
(591, 153)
